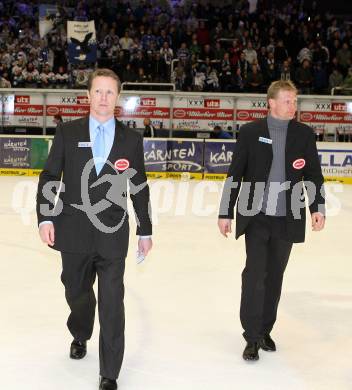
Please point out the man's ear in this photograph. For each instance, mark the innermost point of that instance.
(88, 96)
(117, 98)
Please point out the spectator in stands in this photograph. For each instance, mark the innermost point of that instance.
(280, 53)
(255, 80)
(198, 78)
(320, 81)
(195, 48)
(183, 53)
(139, 61)
(225, 73)
(304, 77)
(142, 77)
(219, 133)
(347, 83)
(270, 70)
(219, 52)
(126, 42)
(4, 82)
(18, 80)
(167, 53)
(243, 65)
(211, 82)
(305, 54)
(321, 53)
(128, 74)
(286, 71)
(335, 79)
(62, 78)
(235, 51)
(159, 69)
(249, 53)
(207, 52)
(237, 82)
(47, 77)
(31, 76)
(344, 57)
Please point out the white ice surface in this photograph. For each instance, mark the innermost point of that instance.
(182, 304)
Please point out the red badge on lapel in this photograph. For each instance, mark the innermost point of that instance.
(122, 164)
(299, 163)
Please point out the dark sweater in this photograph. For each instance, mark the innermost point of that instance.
(272, 204)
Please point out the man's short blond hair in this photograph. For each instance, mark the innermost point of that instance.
(280, 85)
(104, 72)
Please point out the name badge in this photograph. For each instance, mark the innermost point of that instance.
(265, 140)
(84, 144)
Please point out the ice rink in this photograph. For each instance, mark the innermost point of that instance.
(182, 304)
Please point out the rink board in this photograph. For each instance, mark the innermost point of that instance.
(183, 159)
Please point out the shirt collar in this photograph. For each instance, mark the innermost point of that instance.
(109, 125)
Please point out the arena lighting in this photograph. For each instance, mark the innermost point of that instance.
(131, 103)
(349, 107)
(7, 104)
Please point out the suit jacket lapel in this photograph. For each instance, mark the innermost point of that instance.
(266, 149)
(291, 136)
(116, 145)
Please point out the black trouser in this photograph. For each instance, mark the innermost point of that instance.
(78, 276)
(267, 257)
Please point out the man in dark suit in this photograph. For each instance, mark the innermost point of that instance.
(149, 131)
(94, 158)
(272, 158)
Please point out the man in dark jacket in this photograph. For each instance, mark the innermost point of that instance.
(272, 157)
(94, 158)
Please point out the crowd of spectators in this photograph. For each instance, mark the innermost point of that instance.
(194, 44)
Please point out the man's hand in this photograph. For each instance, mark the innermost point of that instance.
(224, 226)
(318, 222)
(145, 245)
(47, 233)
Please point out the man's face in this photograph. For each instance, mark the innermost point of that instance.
(103, 97)
(284, 106)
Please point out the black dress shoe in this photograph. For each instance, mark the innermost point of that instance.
(78, 349)
(107, 384)
(251, 351)
(267, 343)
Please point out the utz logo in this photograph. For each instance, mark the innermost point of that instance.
(82, 100)
(147, 102)
(195, 102)
(212, 103)
(306, 116)
(339, 107)
(22, 99)
(178, 113)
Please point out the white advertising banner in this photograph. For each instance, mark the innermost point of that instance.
(336, 160)
(250, 109)
(132, 110)
(202, 113)
(70, 106)
(326, 116)
(22, 110)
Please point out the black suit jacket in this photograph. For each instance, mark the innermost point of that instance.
(74, 231)
(251, 163)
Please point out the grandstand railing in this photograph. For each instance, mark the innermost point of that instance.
(341, 90)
